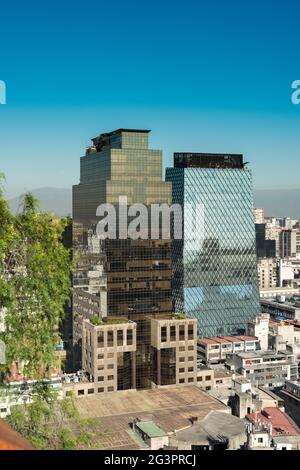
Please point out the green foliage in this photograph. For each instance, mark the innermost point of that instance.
(95, 320)
(53, 424)
(35, 271)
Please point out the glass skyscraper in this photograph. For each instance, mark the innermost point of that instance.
(215, 264)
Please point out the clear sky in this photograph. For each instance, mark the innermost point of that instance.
(204, 76)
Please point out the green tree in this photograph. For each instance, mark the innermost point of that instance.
(49, 423)
(35, 271)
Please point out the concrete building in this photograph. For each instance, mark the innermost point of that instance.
(287, 243)
(264, 368)
(284, 433)
(291, 396)
(217, 431)
(205, 377)
(109, 355)
(174, 346)
(283, 309)
(267, 273)
(259, 328)
(214, 350)
(281, 335)
(285, 273)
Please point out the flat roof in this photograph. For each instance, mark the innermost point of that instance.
(171, 409)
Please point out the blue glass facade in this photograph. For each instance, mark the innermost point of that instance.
(215, 265)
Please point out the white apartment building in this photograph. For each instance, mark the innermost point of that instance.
(267, 273)
(259, 328)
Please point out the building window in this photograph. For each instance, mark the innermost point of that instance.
(181, 370)
(110, 355)
(110, 338)
(100, 356)
(208, 377)
(110, 377)
(191, 348)
(181, 381)
(181, 333)
(191, 379)
(100, 367)
(163, 334)
(199, 379)
(100, 379)
(100, 339)
(80, 392)
(191, 369)
(191, 358)
(100, 390)
(181, 359)
(129, 337)
(110, 389)
(120, 338)
(90, 391)
(190, 331)
(110, 366)
(173, 333)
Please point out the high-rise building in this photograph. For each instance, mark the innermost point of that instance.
(122, 281)
(288, 243)
(215, 265)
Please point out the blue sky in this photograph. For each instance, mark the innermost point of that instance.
(204, 76)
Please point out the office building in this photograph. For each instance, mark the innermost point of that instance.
(122, 284)
(215, 265)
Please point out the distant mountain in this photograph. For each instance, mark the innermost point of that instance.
(57, 200)
(277, 203)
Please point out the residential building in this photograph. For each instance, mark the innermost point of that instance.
(215, 266)
(214, 350)
(291, 396)
(284, 433)
(259, 328)
(264, 368)
(267, 273)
